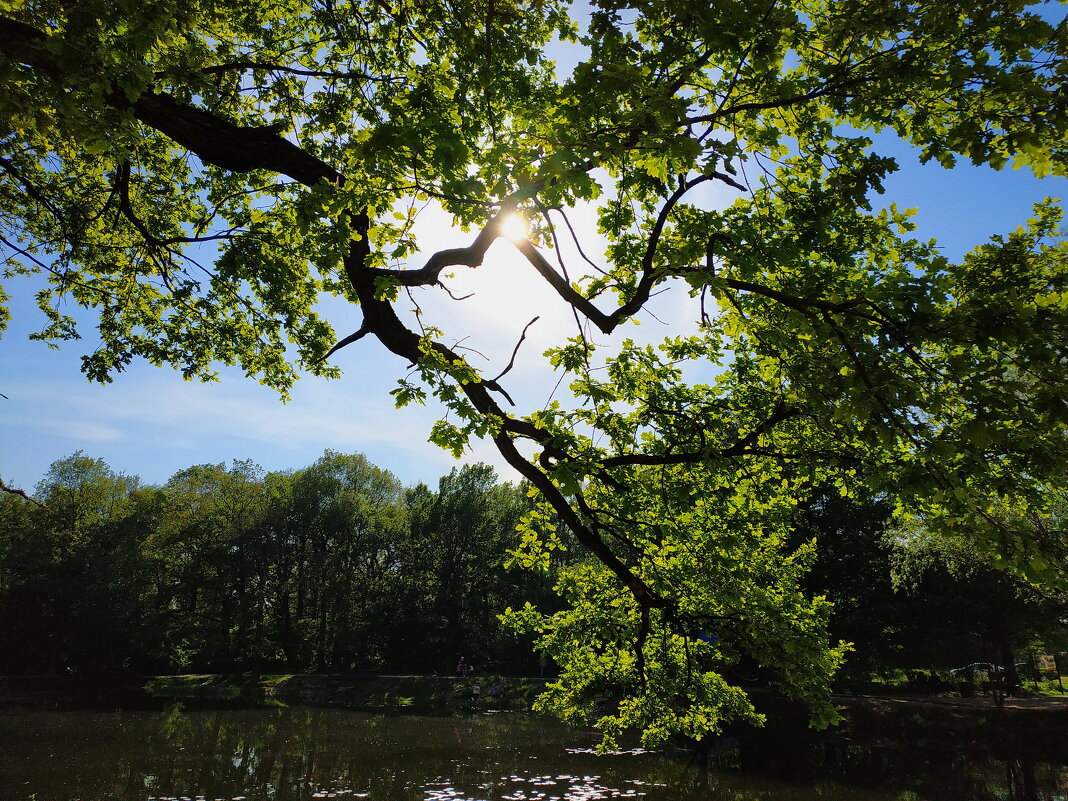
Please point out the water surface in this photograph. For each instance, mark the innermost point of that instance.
(297, 754)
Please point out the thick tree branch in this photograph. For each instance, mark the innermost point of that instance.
(563, 288)
(583, 533)
(353, 337)
(228, 146)
(214, 140)
(21, 43)
(470, 256)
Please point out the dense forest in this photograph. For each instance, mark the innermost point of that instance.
(338, 566)
(331, 567)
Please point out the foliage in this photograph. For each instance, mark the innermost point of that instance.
(852, 569)
(289, 145)
(459, 542)
(72, 586)
(965, 606)
(906, 598)
(226, 569)
(724, 553)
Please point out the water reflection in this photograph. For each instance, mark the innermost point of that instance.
(303, 754)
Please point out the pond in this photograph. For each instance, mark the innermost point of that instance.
(301, 754)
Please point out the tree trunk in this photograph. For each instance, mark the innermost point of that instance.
(1008, 663)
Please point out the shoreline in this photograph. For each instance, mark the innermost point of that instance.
(415, 694)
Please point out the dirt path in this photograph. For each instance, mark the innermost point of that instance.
(1045, 703)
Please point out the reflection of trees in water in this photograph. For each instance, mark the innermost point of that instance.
(1020, 781)
(803, 759)
(1025, 781)
(290, 754)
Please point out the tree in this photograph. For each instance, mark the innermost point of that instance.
(200, 176)
(210, 540)
(852, 569)
(964, 609)
(345, 531)
(72, 593)
(332, 566)
(454, 563)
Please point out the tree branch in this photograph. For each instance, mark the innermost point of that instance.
(470, 256)
(739, 448)
(126, 207)
(223, 144)
(511, 362)
(267, 67)
(804, 305)
(353, 337)
(609, 322)
(21, 493)
(820, 91)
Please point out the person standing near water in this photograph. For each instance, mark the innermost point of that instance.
(461, 668)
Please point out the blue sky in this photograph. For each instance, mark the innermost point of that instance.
(151, 423)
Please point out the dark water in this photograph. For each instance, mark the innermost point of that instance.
(303, 754)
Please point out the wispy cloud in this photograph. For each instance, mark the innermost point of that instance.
(80, 431)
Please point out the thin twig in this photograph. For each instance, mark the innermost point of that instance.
(511, 362)
(449, 293)
(574, 236)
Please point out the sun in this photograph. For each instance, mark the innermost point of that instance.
(514, 227)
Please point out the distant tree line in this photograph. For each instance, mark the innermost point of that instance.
(339, 566)
(336, 566)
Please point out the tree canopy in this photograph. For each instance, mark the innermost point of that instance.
(201, 176)
(331, 567)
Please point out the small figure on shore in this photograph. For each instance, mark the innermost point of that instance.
(461, 668)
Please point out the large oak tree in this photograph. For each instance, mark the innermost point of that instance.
(201, 175)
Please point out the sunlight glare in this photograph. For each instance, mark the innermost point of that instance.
(514, 227)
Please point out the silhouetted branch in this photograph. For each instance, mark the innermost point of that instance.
(21, 493)
(511, 362)
(355, 335)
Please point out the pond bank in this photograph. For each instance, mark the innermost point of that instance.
(946, 718)
(1040, 722)
(355, 690)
